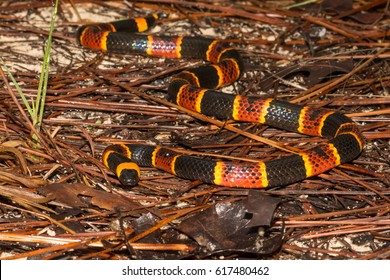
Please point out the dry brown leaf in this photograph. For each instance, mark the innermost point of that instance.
(75, 195)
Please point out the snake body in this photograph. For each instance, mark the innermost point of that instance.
(194, 89)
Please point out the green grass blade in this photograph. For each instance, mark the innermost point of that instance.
(44, 77)
(24, 99)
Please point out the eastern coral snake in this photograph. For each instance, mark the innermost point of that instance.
(194, 89)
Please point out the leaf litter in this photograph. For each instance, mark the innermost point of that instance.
(59, 202)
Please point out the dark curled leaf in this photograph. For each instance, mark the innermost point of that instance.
(312, 74)
(337, 6)
(367, 18)
(262, 208)
(235, 226)
(261, 246)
